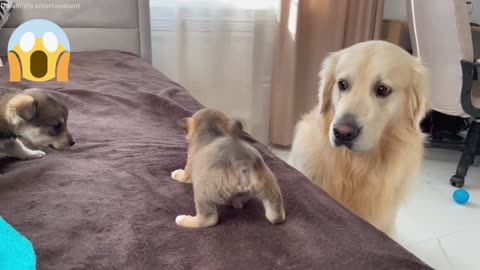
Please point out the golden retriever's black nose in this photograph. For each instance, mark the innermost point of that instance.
(345, 132)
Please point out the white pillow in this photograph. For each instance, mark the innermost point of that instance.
(5, 10)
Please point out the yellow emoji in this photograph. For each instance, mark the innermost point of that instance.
(38, 51)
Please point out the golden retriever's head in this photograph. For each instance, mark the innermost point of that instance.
(368, 88)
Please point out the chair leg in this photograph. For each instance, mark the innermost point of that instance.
(468, 156)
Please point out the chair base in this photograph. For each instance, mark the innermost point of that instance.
(469, 148)
(457, 181)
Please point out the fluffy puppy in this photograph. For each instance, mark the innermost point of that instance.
(34, 116)
(362, 144)
(224, 170)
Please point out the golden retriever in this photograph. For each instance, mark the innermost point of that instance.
(362, 144)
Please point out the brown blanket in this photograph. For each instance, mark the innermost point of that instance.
(109, 202)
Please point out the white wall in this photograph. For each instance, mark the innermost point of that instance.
(475, 11)
(395, 10)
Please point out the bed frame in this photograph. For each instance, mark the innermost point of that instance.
(91, 25)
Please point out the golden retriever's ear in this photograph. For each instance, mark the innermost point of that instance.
(418, 103)
(327, 80)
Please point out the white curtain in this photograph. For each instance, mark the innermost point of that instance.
(222, 52)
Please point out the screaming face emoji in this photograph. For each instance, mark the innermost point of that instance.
(38, 51)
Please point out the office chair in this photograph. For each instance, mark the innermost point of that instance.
(441, 36)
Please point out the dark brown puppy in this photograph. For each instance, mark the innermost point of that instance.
(34, 116)
(224, 170)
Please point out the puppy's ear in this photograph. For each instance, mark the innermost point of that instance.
(23, 106)
(417, 98)
(183, 123)
(236, 128)
(327, 81)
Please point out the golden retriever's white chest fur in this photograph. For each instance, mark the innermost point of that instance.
(371, 184)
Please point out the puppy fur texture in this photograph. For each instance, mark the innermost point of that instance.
(224, 170)
(372, 174)
(33, 116)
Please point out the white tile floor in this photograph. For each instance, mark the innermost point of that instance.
(431, 225)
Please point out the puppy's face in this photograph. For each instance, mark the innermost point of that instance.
(209, 123)
(370, 87)
(40, 119)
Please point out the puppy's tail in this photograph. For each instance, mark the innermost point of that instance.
(236, 129)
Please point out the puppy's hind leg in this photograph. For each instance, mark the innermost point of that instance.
(269, 193)
(15, 148)
(207, 216)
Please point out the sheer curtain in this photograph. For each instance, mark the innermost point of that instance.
(222, 52)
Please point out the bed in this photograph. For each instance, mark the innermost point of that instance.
(109, 201)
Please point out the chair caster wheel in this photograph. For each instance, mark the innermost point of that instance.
(457, 181)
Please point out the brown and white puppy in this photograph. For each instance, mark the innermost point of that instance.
(34, 116)
(362, 143)
(224, 170)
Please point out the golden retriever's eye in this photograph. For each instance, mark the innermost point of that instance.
(383, 91)
(342, 85)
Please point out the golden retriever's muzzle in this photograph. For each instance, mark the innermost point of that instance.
(346, 130)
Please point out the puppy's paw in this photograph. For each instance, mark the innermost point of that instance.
(197, 221)
(34, 154)
(276, 218)
(178, 175)
(274, 212)
(180, 220)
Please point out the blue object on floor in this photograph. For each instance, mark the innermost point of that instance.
(461, 196)
(16, 252)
